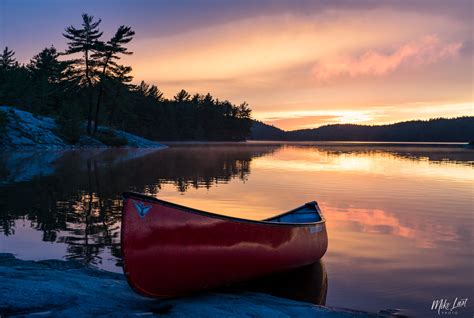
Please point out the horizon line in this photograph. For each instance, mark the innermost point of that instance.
(368, 125)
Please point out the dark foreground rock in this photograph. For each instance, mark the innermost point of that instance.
(71, 289)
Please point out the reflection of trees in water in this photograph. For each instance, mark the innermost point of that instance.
(80, 202)
(194, 167)
(93, 222)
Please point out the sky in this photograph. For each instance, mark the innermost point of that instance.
(299, 64)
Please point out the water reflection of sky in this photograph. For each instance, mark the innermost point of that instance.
(400, 220)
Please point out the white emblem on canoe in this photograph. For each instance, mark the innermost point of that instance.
(315, 228)
(142, 209)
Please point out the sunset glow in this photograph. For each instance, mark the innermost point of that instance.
(237, 158)
(298, 64)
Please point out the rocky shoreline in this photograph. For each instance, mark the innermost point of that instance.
(24, 130)
(72, 289)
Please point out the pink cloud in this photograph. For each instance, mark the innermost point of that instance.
(427, 50)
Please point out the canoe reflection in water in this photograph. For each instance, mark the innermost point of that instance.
(308, 283)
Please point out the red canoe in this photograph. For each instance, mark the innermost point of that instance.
(170, 250)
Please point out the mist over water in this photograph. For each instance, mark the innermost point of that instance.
(399, 217)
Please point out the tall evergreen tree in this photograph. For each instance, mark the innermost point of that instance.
(107, 55)
(122, 75)
(15, 84)
(182, 96)
(155, 93)
(244, 111)
(50, 77)
(85, 40)
(45, 65)
(142, 88)
(7, 61)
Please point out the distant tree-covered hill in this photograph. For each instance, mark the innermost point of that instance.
(456, 129)
(262, 131)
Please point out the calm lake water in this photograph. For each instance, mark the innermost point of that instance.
(399, 217)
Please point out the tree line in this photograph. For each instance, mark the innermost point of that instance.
(459, 129)
(86, 86)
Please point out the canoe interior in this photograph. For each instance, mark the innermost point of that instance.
(307, 213)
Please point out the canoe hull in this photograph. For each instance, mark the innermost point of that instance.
(171, 251)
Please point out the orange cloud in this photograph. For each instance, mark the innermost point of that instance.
(427, 50)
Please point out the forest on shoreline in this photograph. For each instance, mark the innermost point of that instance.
(85, 87)
(459, 129)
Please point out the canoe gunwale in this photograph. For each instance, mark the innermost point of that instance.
(146, 198)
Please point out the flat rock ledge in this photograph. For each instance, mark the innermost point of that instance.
(71, 289)
(25, 130)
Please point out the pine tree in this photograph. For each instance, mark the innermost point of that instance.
(51, 78)
(107, 54)
(244, 111)
(155, 93)
(182, 96)
(7, 61)
(15, 84)
(45, 65)
(85, 40)
(122, 75)
(142, 88)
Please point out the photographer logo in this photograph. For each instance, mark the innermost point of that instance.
(445, 307)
